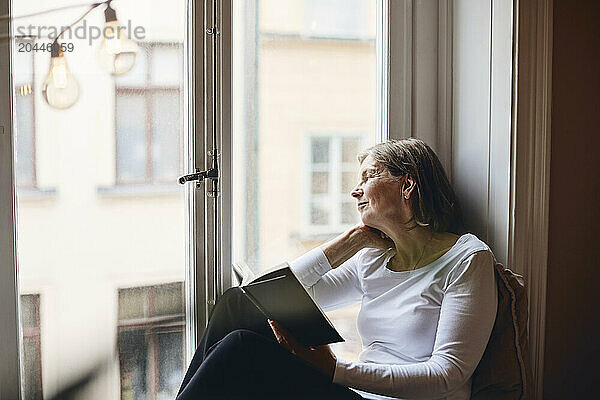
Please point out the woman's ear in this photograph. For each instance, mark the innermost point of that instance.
(408, 186)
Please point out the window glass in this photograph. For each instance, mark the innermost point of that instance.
(168, 300)
(170, 364)
(149, 149)
(350, 149)
(97, 218)
(320, 150)
(320, 182)
(165, 139)
(349, 181)
(319, 214)
(133, 304)
(304, 102)
(166, 66)
(138, 76)
(31, 346)
(25, 124)
(131, 138)
(133, 356)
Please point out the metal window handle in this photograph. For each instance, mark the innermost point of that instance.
(199, 176)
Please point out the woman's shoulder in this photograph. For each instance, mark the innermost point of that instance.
(469, 253)
(471, 244)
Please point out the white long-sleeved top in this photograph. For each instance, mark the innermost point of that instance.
(423, 331)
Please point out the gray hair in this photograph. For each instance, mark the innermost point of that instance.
(435, 203)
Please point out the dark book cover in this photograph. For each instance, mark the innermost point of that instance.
(280, 296)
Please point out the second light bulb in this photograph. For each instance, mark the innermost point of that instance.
(117, 52)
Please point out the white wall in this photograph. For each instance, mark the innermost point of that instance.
(482, 71)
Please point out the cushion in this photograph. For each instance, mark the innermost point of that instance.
(504, 370)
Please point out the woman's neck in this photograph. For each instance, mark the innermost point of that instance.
(410, 246)
(419, 247)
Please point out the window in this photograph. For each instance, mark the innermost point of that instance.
(25, 120)
(31, 347)
(333, 173)
(151, 341)
(148, 116)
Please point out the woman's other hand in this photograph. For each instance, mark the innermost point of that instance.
(345, 245)
(321, 357)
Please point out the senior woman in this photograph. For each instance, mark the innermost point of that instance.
(427, 292)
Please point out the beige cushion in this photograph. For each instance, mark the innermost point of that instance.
(504, 370)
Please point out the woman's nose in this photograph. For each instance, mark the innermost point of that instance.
(357, 192)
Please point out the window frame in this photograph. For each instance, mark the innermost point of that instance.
(147, 92)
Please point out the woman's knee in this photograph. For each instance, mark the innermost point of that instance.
(240, 344)
(241, 337)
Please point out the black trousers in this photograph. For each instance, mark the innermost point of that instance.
(239, 358)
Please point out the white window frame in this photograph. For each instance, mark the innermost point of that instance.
(10, 329)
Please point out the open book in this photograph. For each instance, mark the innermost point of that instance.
(280, 296)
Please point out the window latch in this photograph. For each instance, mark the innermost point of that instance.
(199, 176)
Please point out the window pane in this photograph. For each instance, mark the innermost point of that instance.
(349, 181)
(131, 138)
(319, 215)
(31, 346)
(320, 182)
(24, 140)
(170, 364)
(168, 300)
(133, 303)
(32, 377)
(350, 149)
(320, 150)
(167, 68)
(301, 106)
(133, 356)
(349, 213)
(99, 235)
(29, 311)
(138, 76)
(24, 61)
(166, 126)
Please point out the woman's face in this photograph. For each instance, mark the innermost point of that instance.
(378, 195)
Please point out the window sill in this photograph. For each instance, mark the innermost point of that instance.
(145, 190)
(33, 193)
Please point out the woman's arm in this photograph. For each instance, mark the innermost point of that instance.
(467, 316)
(331, 288)
(330, 272)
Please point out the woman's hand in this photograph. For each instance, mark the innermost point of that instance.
(371, 237)
(344, 246)
(321, 357)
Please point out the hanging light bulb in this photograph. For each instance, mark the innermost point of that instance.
(117, 52)
(60, 89)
